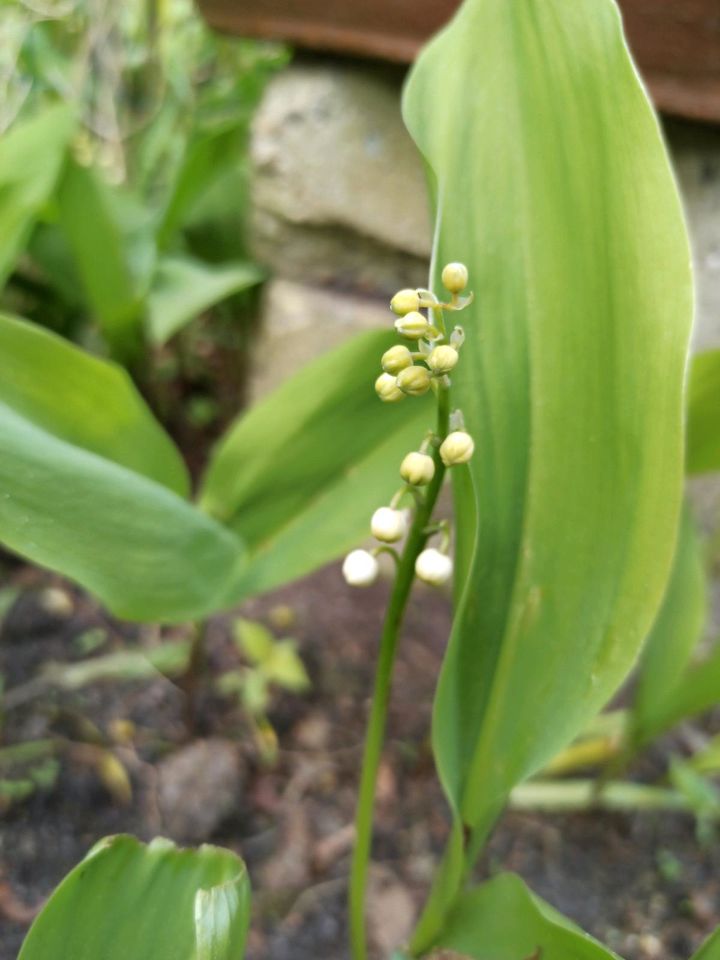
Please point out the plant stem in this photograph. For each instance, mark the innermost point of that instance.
(565, 796)
(375, 735)
(190, 681)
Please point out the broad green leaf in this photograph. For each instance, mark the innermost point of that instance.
(96, 238)
(703, 429)
(503, 920)
(696, 690)
(553, 185)
(31, 156)
(154, 902)
(300, 475)
(101, 411)
(183, 288)
(85, 485)
(676, 631)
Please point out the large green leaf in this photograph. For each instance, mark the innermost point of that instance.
(675, 633)
(300, 475)
(95, 234)
(703, 430)
(85, 401)
(503, 920)
(156, 902)
(88, 481)
(553, 185)
(183, 288)
(31, 156)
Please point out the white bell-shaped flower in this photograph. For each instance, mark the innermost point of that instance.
(433, 567)
(360, 568)
(388, 525)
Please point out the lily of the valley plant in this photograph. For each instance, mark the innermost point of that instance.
(559, 410)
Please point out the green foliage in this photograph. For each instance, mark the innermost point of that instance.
(95, 194)
(673, 638)
(183, 288)
(146, 902)
(31, 156)
(503, 920)
(710, 950)
(98, 247)
(695, 691)
(703, 429)
(26, 768)
(570, 389)
(276, 660)
(92, 487)
(95, 489)
(272, 664)
(101, 412)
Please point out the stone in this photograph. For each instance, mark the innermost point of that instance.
(300, 322)
(695, 151)
(338, 188)
(198, 787)
(390, 911)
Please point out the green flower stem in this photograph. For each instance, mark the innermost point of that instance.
(375, 735)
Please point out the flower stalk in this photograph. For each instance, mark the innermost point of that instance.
(406, 374)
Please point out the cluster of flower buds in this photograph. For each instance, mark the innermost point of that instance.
(411, 373)
(402, 376)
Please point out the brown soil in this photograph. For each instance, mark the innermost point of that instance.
(641, 883)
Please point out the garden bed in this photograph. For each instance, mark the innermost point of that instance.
(639, 882)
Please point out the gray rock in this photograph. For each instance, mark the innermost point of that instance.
(198, 787)
(338, 187)
(299, 322)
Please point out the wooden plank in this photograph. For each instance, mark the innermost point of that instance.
(676, 42)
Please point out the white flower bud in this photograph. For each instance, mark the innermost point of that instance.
(412, 326)
(442, 359)
(417, 469)
(405, 301)
(387, 389)
(395, 359)
(455, 277)
(388, 525)
(415, 381)
(433, 567)
(360, 568)
(456, 448)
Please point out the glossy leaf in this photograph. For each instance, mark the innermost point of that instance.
(696, 690)
(503, 920)
(101, 411)
(703, 429)
(96, 239)
(553, 185)
(31, 157)
(299, 476)
(85, 485)
(184, 288)
(675, 633)
(152, 902)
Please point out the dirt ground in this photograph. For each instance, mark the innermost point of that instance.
(641, 883)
